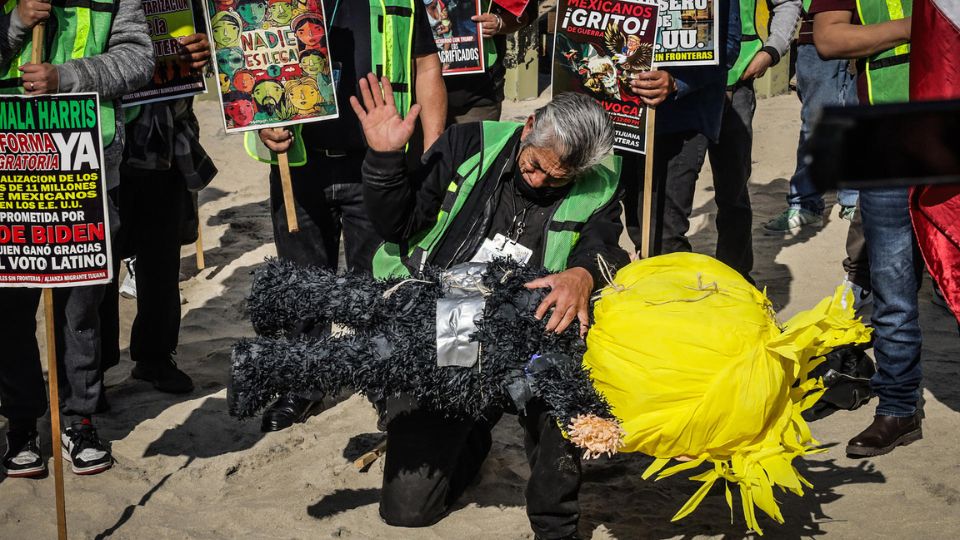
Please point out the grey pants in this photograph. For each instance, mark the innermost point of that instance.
(77, 327)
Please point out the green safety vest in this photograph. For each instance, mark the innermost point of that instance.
(750, 40)
(888, 73)
(588, 194)
(391, 54)
(79, 30)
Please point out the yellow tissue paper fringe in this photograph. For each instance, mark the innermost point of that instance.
(695, 365)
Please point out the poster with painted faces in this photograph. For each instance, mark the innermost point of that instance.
(272, 62)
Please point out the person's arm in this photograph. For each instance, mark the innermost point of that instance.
(397, 209)
(499, 21)
(124, 67)
(784, 16)
(431, 94)
(570, 290)
(16, 27)
(835, 36)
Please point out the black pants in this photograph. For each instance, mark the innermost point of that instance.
(23, 394)
(431, 459)
(151, 210)
(678, 160)
(329, 201)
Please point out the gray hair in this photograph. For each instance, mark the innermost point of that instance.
(574, 126)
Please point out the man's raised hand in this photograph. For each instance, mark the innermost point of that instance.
(383, 127)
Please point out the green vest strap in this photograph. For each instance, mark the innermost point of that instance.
(888, 72)
(588, 194)
(391, 46)
(750, 42)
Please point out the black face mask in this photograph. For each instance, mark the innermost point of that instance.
(546, 194)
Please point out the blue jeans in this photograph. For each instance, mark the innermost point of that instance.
(895, 271)
(820, 83)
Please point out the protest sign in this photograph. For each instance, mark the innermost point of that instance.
(53, 209)
(272, 63)
(687, 33)
(459, 39)
(173, 78)
(600, 47)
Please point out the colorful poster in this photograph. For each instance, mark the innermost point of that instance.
(272, 62)
(53, 201)
(687, 33)
(172, 78)
(459, 39)
(600, 46)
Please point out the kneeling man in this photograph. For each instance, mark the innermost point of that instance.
(543, 192)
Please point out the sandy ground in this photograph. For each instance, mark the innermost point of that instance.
(185, 469)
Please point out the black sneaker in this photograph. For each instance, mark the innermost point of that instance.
(84, 450)
(23, 458)
(165, 376)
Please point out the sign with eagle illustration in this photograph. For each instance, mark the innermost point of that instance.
(600, 47)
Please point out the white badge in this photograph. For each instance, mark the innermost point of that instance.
(501, 246)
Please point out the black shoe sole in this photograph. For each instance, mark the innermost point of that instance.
(88, 470)
(33, 472)
(271, 425)
(159, 387)
(903, 440)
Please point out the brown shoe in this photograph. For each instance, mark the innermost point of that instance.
(885, 434)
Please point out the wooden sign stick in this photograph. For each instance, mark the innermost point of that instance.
(36, 57)
(647, 205)
(286, 184)
(54, 410)
(200, 262)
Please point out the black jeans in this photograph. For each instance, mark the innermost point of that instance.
(328, 198)
(151, 211)
(77, 328)
(431, 459)
(679, 158)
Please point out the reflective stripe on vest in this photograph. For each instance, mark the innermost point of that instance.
(754, 20)
(888, 73)
(391, 46)
(588, 194)
(76, 29)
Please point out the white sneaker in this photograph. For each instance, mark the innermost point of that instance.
(83, 449)
(128, 289)
(791, 220)
(862, 299)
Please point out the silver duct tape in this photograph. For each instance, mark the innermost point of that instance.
(457, 315)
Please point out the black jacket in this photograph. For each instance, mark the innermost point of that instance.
(401, 204)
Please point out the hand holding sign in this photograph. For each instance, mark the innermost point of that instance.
(40, 79)
(196, 49)
(653, 87)
(33, 12)
(382, 125)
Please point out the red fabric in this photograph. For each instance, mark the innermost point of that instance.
(935, 211)
(513, 6)
(934, 53)
(935, 74)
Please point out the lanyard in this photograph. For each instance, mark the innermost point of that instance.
(336, 7)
